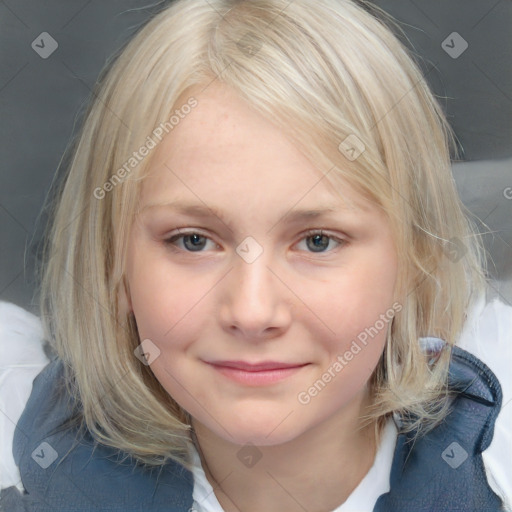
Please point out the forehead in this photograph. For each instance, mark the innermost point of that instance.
(225, 153)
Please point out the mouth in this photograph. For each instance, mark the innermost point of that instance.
(256, 374)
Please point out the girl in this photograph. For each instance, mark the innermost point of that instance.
(256, 279)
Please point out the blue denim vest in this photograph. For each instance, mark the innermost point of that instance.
(442, 471)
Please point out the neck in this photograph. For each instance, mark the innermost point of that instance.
(316, 471)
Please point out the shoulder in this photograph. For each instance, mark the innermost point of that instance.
(52, 466)
(463, 463)
(488, 336)
(22, 357)
(64, 469)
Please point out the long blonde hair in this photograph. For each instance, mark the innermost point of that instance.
(332, 75)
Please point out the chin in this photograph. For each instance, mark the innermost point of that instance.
(261, 437)
(262, 429)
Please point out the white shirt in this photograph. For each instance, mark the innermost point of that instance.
(487, 334)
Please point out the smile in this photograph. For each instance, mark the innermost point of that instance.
(256, 374)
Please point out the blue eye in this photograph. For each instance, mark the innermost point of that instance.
(192, 242)
(320, 241)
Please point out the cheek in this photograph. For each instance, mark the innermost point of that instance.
(162, 301)
(358, 309)
(350, 356)
(354, 299)
(168, 311)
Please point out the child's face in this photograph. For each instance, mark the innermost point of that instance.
(257, 288)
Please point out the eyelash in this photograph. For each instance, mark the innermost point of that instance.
(310, 233)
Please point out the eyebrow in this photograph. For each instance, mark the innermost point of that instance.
(203, 211)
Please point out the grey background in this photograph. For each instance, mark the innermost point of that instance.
(42, 99)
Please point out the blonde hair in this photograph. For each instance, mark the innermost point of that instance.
(322, 71)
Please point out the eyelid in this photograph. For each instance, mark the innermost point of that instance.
(186, 231)
(320, 231)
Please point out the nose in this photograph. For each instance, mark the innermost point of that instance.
(256, 305)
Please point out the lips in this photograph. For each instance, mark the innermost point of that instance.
(256, 367)
(264, 373)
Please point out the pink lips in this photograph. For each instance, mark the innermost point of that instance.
(256, 374)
